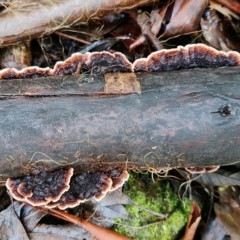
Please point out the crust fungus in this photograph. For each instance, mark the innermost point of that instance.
(70, 66)
(84, 186)
(105, 62)
(62, 189)
(190, 56)
(9, 73)
(34, 72)
(41, 188)
(212, 169)
(88, 185)
(197, 170)
(118, 178)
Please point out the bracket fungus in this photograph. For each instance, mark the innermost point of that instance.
(118, 178)
(190, 56)
(198, 170)
(41, 188)
(62, 189)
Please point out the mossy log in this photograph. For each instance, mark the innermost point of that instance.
(136, 121)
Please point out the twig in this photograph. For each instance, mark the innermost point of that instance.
(99, 232)
(73, 38)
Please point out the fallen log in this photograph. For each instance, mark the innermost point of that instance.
(142, 121)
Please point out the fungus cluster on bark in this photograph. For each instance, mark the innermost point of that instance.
(198, 170)
(62, 189)
(190, 56)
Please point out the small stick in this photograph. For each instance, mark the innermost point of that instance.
(73, 38)
(99, 232)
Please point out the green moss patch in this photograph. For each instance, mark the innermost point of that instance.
(153, 201)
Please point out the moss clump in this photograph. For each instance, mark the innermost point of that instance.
(159, 198)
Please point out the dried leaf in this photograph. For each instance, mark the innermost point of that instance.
(219, 178)
(30, 217)
(115, 197)
(10, 225)
(193, 221)
(234, 5)
(117, 211)
(215, 231)
(66, 232)
(219, 32)
(229, 216)
(110, 207)
(228, 210)
(50, 236)
(185, 17)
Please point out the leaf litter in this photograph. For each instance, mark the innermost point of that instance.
(25, 221)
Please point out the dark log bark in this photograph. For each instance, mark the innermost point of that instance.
(181, 118)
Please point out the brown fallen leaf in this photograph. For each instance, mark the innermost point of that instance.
(193, 221)
(110, 207)
(229, 217)
(20, 219)
(233, 5)
(219, 178)
(23, 220)
(148, 28)
(185, 18)
(219, 31)
(228, 210)
(10, 224)
(59, 232)
(174, 18)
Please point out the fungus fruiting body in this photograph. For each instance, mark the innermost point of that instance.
(85, 186)
(42, 188)
(62, 189)
(190, 56)
(118, 178)
(198, 170)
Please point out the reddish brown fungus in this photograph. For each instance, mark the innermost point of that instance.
(34, 72)
(9, 73)
(190, 56)
(24, 189)
(197, 170)
(71, 66)
(41, 188)
(194, 170)
(62, 189)
(212, 169)
(85, 186)
(118, 178)
(12, 185)
(106, 62)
